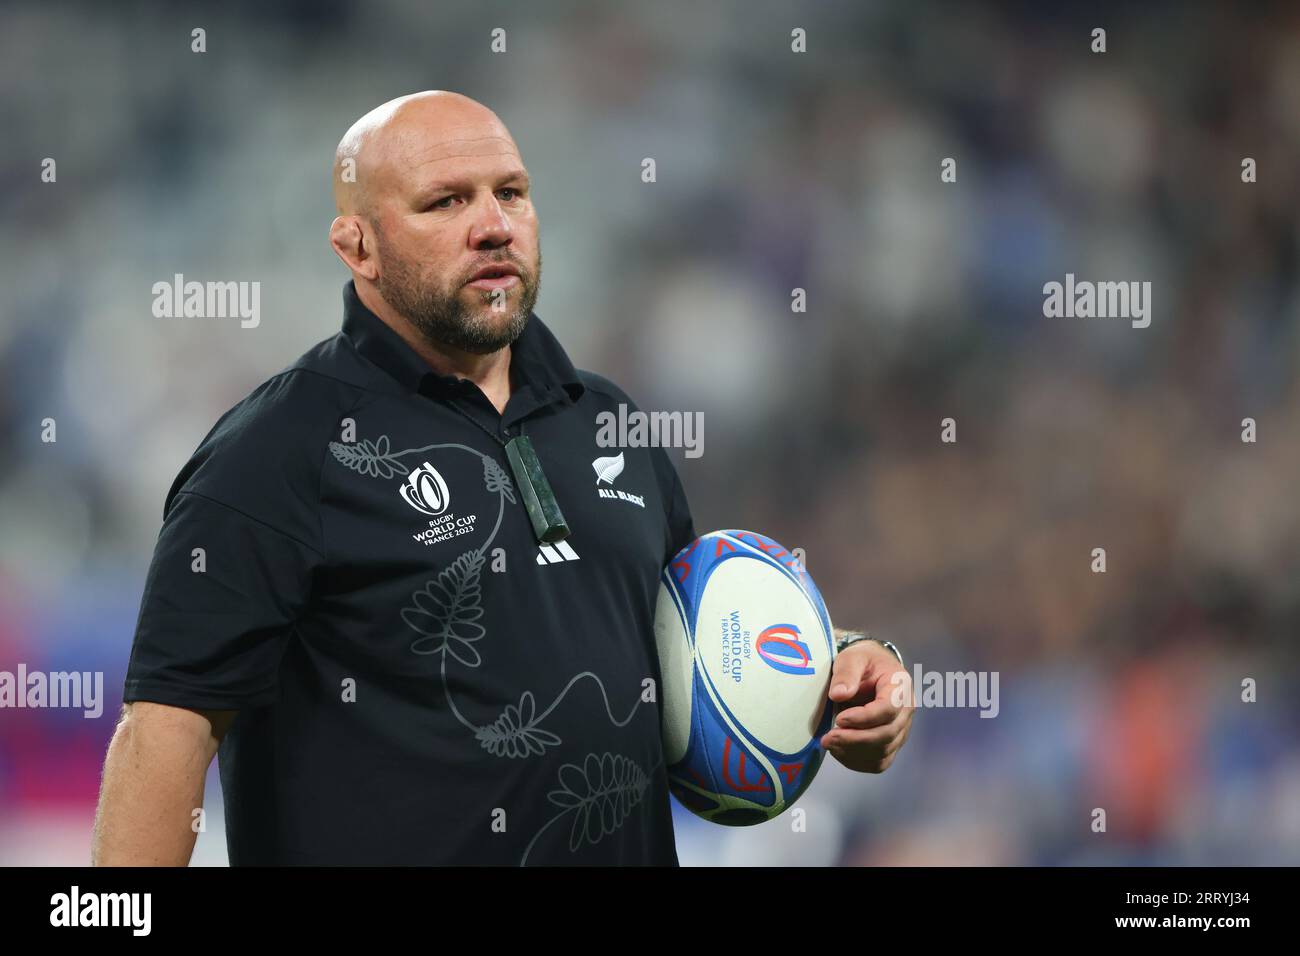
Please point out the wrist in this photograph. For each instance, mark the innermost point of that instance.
(848, 638)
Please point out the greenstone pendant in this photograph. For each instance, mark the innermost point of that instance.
(543, 510)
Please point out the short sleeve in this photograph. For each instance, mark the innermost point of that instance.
(221, 597)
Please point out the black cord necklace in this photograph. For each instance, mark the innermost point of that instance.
(539, 500)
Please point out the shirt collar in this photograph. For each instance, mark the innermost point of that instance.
(536, 358)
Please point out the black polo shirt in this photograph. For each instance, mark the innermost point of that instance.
(346, 562)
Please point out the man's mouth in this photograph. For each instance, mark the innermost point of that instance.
(503, 276)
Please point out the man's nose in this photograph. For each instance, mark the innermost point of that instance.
(491, 227)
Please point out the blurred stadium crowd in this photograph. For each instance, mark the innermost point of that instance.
(775, 171)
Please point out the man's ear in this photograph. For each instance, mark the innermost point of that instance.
(350, 243)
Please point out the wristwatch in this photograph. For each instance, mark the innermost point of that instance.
(852, 637)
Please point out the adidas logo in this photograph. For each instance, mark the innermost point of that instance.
(557, 553)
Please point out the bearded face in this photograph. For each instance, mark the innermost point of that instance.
(447, 310)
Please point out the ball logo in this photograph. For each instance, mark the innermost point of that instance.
(425, 490)
(780, 647)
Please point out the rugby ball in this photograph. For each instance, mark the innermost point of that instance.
(745, 650)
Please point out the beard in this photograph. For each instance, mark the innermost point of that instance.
(442, 314)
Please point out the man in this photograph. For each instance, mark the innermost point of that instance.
(399, 660)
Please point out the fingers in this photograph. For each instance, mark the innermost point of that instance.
(896, 744)
(863, 761)
(876, 713)
(893, 694)
(895, 685)
(875, 737)
(874, 704)
(847, 675)
(871, 750)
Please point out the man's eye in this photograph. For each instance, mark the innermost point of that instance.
(514, 193)
(438, 203)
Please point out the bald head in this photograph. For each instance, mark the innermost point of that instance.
(436, 222)
(404, 136)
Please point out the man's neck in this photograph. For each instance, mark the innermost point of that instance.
(491, 372)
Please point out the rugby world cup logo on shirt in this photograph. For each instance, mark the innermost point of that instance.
(781, 648)
(425, 490)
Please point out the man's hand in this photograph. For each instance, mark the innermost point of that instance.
(874, 708)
